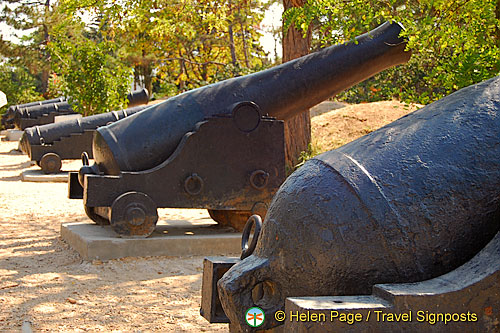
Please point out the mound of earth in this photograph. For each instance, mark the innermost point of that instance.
(335, 128)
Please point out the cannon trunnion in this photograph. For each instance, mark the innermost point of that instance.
(226, 163)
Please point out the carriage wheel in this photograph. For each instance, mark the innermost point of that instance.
(133, 214)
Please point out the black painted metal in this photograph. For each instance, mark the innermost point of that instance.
(8, 116)
(281, 92)
(209, 169)
(40, 114)
(408, 202)
(70, 138)
(138, 97)
(33, 114)
(37, 111)
(234, 159)
(24, 123)
(466, 299)
(213, 269)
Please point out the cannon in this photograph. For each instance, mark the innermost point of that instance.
(406, 203)
(40, 114)
(219, 147)
(33, 115)
(48, 144)
(8, 116)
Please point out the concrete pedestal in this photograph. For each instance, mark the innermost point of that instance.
(171, 238)
(13, 135)
(40, 176)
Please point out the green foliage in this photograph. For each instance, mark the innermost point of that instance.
(172, 46)
(92, 77)
(18, 85)
(187, 42)
(454, 43)
(312, 150)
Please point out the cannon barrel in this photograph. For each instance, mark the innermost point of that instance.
(148, 138)
(408, 202)
(47, 134)
(135, 98)
(14, 108)
(11, 111)
(47, 101)
(8, 116)
(138, 97)
(37, 111)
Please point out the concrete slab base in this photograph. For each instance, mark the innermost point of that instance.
(40, 176)
(171, 238)
(13, 135)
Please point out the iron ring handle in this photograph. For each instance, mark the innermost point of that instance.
(193, 178)
(246, 250)
(85, 158)
(253, 178)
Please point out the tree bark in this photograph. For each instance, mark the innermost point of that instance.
(231, 37)
(298, 128)
(46, 55)
(244, 39)
(497, 16)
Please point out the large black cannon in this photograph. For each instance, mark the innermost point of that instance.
(48, 144)
(406, 203)
(33, 115)
(217, 147)
(8, 116)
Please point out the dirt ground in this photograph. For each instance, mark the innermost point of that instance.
(46, 286)
(336, 128)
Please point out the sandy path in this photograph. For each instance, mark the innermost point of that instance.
(45, 283)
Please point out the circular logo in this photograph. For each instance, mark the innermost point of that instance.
(254, 317)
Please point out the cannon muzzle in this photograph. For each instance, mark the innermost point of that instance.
(146, 139)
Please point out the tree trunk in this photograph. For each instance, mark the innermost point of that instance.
(231, 37)
(497, 16)
(298, 128)
(46, 55)
(147, 72)
(244, 39)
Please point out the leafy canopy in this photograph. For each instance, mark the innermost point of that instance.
(454, 43)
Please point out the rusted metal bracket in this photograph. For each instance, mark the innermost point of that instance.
(213, 269)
